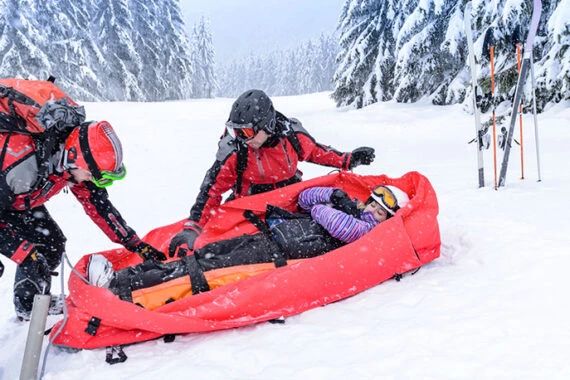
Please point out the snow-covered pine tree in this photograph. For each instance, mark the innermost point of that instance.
(66, 39)
(427, 50)
(307, 66)
(328, 49)
(361, 24)
(204, 78)
(21, 52)
(553, 70)
(114, 32)
(176, 52)
(147, 41)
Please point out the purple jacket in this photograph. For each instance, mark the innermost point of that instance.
(339, 224)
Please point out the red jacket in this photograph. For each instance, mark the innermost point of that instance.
(21, 189)
(272, 166)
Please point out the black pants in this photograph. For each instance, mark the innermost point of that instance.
(292, 239)
(37, 227)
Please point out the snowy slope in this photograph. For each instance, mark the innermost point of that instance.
(493, 306)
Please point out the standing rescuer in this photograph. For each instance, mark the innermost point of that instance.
(259, 151)
(89, 160)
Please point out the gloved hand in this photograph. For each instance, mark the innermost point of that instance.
(182, 242)
(341, 201)
(148, 252)
(361, 156)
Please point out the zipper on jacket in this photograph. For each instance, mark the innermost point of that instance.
(259, 165)
(289, 163)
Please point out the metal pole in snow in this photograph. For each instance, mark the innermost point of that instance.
(535, 117)
(35, 338)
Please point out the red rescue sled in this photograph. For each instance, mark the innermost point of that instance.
(97, 318)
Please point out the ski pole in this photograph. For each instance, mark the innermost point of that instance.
(525, 66)
(520, 112)
(492, 55)
(533, 83)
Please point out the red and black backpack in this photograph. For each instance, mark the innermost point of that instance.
(39, 109)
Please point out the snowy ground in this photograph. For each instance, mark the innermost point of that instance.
(494, 305)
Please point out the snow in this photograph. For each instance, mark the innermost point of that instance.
(494, 305)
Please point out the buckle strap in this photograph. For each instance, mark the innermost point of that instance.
(257, 188)
(93, 326)
(197, 278)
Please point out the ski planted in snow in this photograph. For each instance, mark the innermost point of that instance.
(478, 129)
(537, 10)
(489, 50)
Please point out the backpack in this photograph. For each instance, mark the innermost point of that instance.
(39, 109)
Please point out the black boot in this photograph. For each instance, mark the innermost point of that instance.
(32, 277)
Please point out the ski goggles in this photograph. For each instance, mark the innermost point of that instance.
(386, 198)
(104, 178)
(107, 177)
(242, 131)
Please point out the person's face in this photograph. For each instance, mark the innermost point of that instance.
(258, 140)
(80, 175)
(378, 212)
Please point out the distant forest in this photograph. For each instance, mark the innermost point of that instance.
(402, 50)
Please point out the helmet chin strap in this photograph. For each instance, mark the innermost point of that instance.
(86, 151)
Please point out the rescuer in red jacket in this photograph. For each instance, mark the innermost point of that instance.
(258, 152)
(89, 160)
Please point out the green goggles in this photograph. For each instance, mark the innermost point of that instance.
(107, 178)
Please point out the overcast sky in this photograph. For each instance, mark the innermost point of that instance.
(241, 26)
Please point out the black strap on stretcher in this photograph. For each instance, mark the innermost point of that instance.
(280, 260)
(197, 278)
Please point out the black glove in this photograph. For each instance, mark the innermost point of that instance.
(148, 252)
(182, 242)
(342, 202)
(361, 156)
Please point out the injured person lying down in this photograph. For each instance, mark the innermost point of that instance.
(330, 219)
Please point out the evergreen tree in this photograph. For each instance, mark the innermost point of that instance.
(147, 43)
(557, 49)
(21, 53)
(114, 30)
(360, 26)
(176, 52)
(204, 79)
(428, 54)
(65, 36)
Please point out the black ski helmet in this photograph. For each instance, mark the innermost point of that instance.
(254, 107)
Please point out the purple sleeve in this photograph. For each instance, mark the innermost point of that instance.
(340, 225)
(315, 195)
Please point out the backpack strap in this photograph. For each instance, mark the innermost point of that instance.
(4, 149)
(241, 165)
(294, 140)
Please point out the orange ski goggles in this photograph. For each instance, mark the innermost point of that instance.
(386, 198)
(242, 131)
